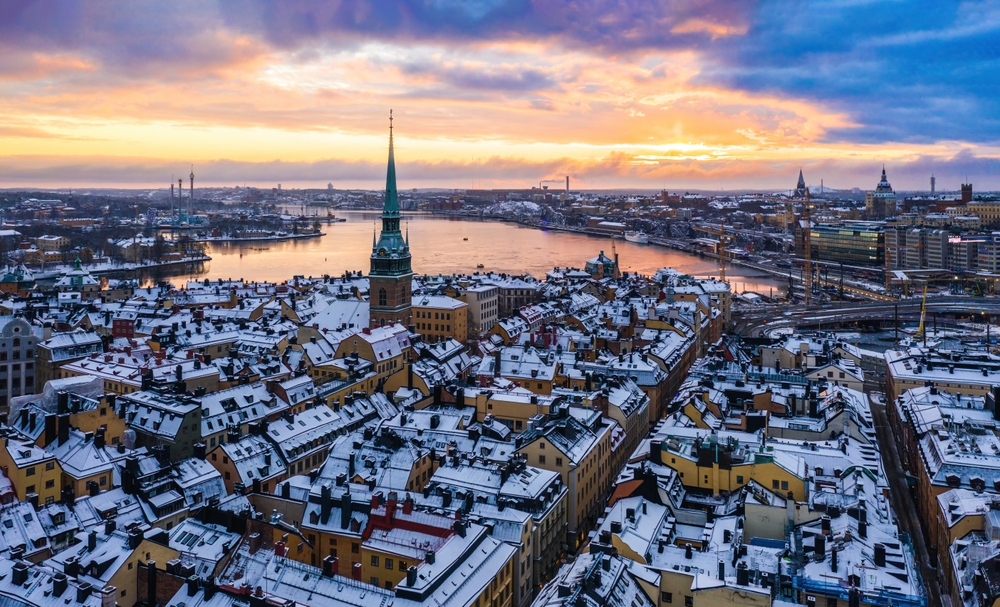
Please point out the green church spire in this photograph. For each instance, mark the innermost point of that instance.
(391, 252)
(391, 195)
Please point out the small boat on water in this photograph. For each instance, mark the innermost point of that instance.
(480, 266)
(465, 239)
(637, 237)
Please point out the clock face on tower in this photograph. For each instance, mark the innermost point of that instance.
(382, 252)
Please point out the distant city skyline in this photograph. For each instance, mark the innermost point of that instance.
(488, 93)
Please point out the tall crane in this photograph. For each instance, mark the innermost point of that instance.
(724, 241)
(807, 247)
(923, 316)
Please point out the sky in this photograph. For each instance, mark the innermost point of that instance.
(710, 94)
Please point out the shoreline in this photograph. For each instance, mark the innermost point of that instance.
(773, 273)
(128, 268)
(227, 239)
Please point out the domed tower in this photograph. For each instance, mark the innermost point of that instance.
(391, 276)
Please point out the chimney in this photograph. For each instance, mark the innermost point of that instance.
(325, 503)
(150, 578)
(50, 428)
(254, 542)
(742, 575)
(411, 576)
(345, 509)
(19, 574)
(656, 452)
(199, 450)
(99, 440)
(59, 584)
(63, 429)
(210, 588)
(83, 592)
(135, 538)
(192, 586)
(429, 557)
(329, 565)
(92, 541)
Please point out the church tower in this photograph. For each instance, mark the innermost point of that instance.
(391, 276)
(800, 187)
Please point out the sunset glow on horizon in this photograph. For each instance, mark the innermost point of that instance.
(495, 93)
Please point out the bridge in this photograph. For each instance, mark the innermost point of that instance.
(756, 322)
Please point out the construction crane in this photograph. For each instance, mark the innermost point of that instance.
(724, 241)
(807, 247)
(923, 316)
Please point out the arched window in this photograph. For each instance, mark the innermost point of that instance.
(381, 297)
(17, 342)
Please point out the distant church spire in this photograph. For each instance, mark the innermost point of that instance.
(800, 188)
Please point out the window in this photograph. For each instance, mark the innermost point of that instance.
(50, 484)
(104, 411)
(30, 471)
(688, 601)
(388, 563)
(775, 484)
(374, 561)
(29, 489)
(831, 602)
(382, 297)
(50, 465)
(784, 485)
(739, 480)
(667, 597)
(123, 592)
(355, 547)
(559, 461)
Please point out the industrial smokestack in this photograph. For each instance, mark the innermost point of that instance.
(567, 184)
